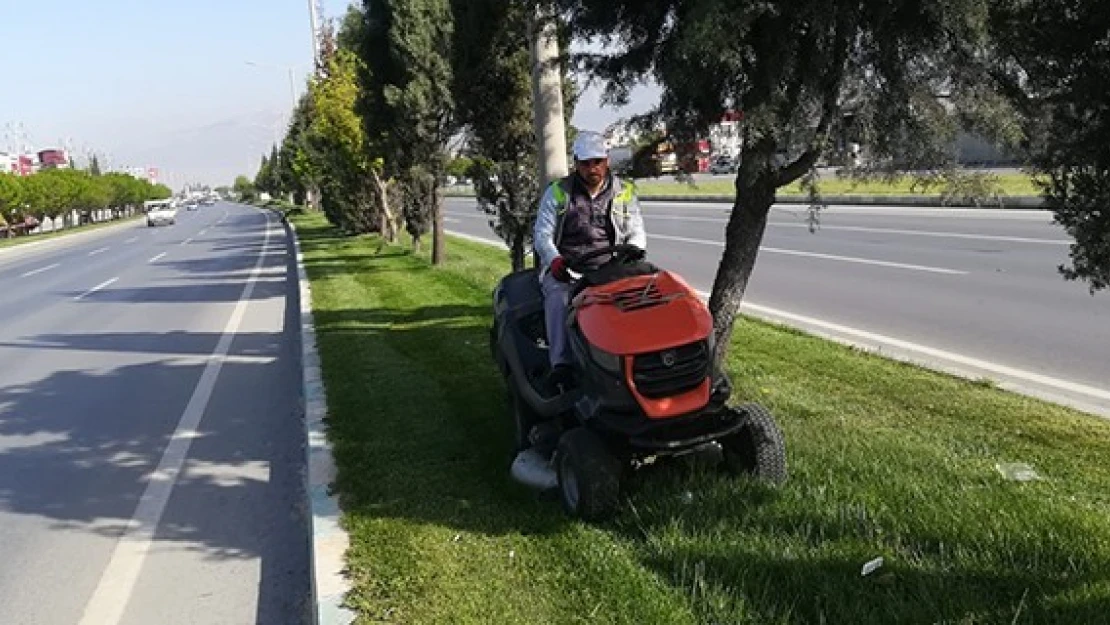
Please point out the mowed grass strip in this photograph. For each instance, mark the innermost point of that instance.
(1010, 184)
(887, 460)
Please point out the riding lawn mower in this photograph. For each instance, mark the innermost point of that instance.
(645, 386)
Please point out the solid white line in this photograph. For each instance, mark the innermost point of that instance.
(930, 233)
(95, 252)
(96, 288)
(921, 211)
(108, 601)
(845, 259)
(157, 257)
(1003, 370)
(918, 233)
(39, 270)
(132, 240)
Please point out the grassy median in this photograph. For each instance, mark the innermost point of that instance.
(1006, 185)
(887, 460)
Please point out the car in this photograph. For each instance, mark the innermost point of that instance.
(160, 213)
(723, 165)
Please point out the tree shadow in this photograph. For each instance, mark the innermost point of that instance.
(79, 442)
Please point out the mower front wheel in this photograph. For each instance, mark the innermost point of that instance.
(758, 448)
(589, 475)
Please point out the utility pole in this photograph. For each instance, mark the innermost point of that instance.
(314, 19)
(547, 100)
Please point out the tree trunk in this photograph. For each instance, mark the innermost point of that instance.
(416, 243)
(755, 193)
(516, 251)
(437, 226)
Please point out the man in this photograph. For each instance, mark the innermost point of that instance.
(588, 210)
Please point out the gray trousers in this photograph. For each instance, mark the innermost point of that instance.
(556, 299)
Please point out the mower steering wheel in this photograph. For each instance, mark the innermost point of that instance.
(622, 253)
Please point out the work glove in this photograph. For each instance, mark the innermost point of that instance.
(558, 269)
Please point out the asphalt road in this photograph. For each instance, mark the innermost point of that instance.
(973, 292)
(151, 450)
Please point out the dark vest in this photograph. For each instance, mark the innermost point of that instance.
(586, 225)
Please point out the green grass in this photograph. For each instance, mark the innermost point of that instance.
(21, 240)
(1007, 184)
(887, 460)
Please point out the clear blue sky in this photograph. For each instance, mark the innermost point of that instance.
(163, 83)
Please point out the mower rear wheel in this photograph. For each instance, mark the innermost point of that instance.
(758, 448)
(589, 475)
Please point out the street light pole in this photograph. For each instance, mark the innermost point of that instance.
(315, 44)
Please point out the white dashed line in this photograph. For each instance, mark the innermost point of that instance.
(132, 240)
(99, 251)
(39, 270)
(96, 288)
(157, 257)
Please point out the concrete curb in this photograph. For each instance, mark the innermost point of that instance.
(329, 540)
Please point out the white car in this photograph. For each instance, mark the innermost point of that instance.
(160, 213)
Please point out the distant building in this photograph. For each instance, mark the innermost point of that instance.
(725, 136)
(54, 158)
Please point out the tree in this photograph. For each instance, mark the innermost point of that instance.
(460, 165)
(493, 92)
(1053, 60)
(900, 74)
(354, 195)
(262, 178)
(244, 188)
(11, 200)
(407, 102)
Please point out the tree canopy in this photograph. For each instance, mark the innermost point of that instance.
(903, 77)
(1053, 60)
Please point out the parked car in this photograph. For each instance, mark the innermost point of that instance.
(723, 165)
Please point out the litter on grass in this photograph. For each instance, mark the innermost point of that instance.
(1017, 471)
(871, 566)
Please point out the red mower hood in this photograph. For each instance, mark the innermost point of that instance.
(642, 314)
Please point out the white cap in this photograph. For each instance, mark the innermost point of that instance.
(590, 145)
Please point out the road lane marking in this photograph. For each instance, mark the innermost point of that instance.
(201, 233)
(132, 240)
(187, 241)
(99, 251)
(931, 352)
(156, 257)
(844, 259)
(39, 270)
(918, 233)
(108, 602)
(451, 220)
(96, 288)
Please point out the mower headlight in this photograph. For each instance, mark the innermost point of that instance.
(607, 361)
